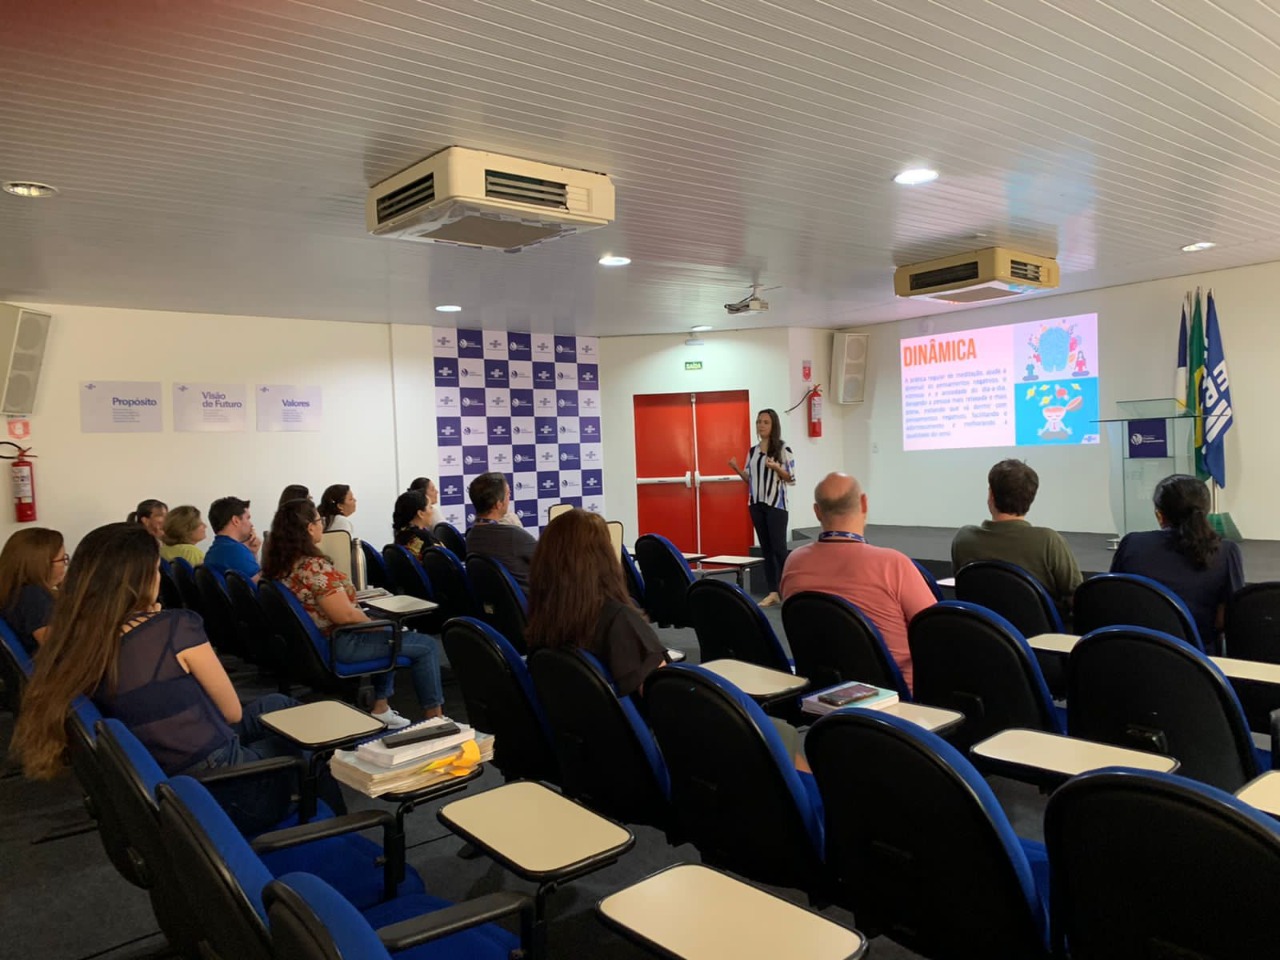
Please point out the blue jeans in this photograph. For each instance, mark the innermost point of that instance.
(424, 663)
(257, 804)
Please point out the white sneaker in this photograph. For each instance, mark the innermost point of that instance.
(392, 719)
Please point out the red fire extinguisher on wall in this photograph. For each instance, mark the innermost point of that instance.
(22, 477)
(815, 411)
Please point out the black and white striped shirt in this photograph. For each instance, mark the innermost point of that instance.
(765, 485)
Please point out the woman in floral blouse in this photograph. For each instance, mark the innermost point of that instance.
(293, 557)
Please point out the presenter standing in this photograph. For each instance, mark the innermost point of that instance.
(771, 468)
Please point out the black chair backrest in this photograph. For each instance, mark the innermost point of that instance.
(449, 582)
(832, 642)
(502, 602)
(229, 918)
(500, 699)
(184, 576)
(404, 568)
(266, 646)
(452, 539)
(170, 595)
(1011, 592)
(1149, 691)
(600, 741)
(635, 582)
(966, 658)
(375, 568)
(220, 620)
(730, 625)
(666, 580)
(15, 666)
(735, 793)
(1146, 865)
(82, 751)
(132, 796)
(917, 845)
(1253, 623)
(1127, 600)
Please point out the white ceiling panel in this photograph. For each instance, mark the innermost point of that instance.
(214, 156)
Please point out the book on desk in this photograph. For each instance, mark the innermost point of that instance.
(816, 704)
(374, 769)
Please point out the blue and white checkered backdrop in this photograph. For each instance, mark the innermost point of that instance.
(526, 405)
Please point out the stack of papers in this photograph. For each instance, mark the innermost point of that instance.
(375, 779)
(370, 593)
(815, 704)
(376, 752)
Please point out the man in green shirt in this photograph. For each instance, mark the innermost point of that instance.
(1007, 536)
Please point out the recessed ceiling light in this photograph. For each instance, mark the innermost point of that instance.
(1198, 246)
(29, 188)
(611, 260)
(701, 328)
(448, 308)
(916, 175)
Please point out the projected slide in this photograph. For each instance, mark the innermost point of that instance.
(1029, 384)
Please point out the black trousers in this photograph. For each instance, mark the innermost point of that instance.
(771, 530)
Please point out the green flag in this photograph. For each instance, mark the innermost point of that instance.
(1195, 374)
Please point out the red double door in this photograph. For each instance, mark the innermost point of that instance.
(685, 488)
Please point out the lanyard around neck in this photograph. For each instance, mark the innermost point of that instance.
(846, 535)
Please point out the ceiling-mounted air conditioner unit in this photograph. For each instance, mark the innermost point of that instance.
(471, 198)
(991, 274)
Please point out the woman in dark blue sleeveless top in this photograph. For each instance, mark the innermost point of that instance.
(154, 670)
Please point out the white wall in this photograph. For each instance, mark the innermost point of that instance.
(1137, 331)
(84, 480)
(766, 363)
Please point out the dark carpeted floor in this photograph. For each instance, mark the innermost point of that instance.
(61, 899)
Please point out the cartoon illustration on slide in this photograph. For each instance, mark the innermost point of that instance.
(1056, 348)
(1058, 412)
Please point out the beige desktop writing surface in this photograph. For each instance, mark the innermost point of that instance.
(753, 680)
(1263, 792)
(615, 536)
(695, 913)
(1066, 755)
(535, 828)
(323, 721)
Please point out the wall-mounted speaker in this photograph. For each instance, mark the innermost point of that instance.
(848, 367)
(23, 334)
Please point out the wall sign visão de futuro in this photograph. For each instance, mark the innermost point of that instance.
(210, 407)
(284, 408)
(121, 406)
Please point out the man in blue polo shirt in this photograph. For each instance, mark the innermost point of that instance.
(236, 545)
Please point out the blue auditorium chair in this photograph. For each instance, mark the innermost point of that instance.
(500, 698)
(449, 583)
(502, 601)
(1147, 690)
(376, 568)
(666, 580)
(735, 791)
(918, 846)
(731, 626)
(1155, 865)
(227, 876)
(832, 641)
(967, 658)
(1129, 600)
(453, 541)
(606, 754)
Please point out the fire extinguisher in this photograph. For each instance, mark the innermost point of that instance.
(22, 474)
(815, 411)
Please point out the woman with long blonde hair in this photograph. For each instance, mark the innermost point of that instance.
(153, 669)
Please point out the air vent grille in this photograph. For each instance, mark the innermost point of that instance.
(958, 273)
(411, 195)
(1021, 270)
(521, 189)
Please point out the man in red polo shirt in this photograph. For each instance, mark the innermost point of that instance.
(884, 584)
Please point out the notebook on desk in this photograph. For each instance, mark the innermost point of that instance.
(400, 604)
(371, 593)
(852, 694)
(375, 752)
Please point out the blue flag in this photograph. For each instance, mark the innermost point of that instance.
(1215, 399)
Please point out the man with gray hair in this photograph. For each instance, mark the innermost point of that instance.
(884, 584)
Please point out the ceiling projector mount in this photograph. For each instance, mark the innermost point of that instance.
(750, 303)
